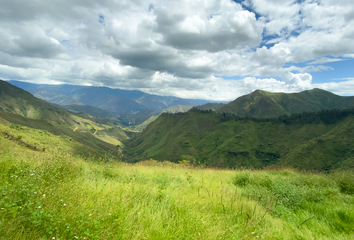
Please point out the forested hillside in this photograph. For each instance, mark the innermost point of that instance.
(319, 141)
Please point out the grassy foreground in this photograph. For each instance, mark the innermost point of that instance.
(53, 194)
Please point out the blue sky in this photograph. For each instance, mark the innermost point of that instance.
(216, 49)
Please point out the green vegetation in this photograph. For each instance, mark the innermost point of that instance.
(47, 191)
(313, 141)
(262, 104)
(20, 107)
(174, 109)
(209, 106)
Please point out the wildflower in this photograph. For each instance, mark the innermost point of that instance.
(53, 237)
(252, 232)
(31, 174)
(64, 205)
(39, 206)
(43, 195)
(90, 215)
(35, 192)
(75, 237)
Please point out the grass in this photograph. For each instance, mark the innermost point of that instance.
(54, 194)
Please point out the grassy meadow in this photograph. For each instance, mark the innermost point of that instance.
(49, 191)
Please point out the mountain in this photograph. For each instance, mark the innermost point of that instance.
(151, 102)
(121, 104)
(209, 106)
(54, 96)
(18, 101)
(141, 119)
(319, 141)
(94, 111)
(20, 107)
(266, 105)
(104, 97)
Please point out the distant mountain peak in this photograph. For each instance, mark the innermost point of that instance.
(265, 104)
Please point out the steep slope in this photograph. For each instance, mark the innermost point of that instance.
(151, 102)
(19, 107)
(94, 111)
(265, 104)
(95, 144)
(317, 141)
(53, 96)
(121, 104)
(18, 101)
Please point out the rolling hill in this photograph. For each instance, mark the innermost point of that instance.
(264, 104)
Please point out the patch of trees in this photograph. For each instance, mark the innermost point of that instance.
(325, 116)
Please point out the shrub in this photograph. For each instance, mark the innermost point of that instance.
(241, 179)
(346, 186)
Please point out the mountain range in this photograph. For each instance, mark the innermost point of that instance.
(129, 107)
(306, 130)
(310, 130)
(20, 107)
(319, 141)
(113, 100)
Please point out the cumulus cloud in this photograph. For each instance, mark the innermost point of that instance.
(210, 32)
(212, 49)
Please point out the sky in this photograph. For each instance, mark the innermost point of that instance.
(203, 49)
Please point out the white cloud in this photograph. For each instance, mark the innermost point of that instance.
(325, 60)
(176, 47)
(340, 88)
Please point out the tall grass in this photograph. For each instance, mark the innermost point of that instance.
(52, 194)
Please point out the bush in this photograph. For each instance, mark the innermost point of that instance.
(241, 179)
(346, 186)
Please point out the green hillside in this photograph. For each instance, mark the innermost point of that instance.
(265, 104)
(18, 101)
(96, 146)
(313, 141)
(20, 107)
(209, 106)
